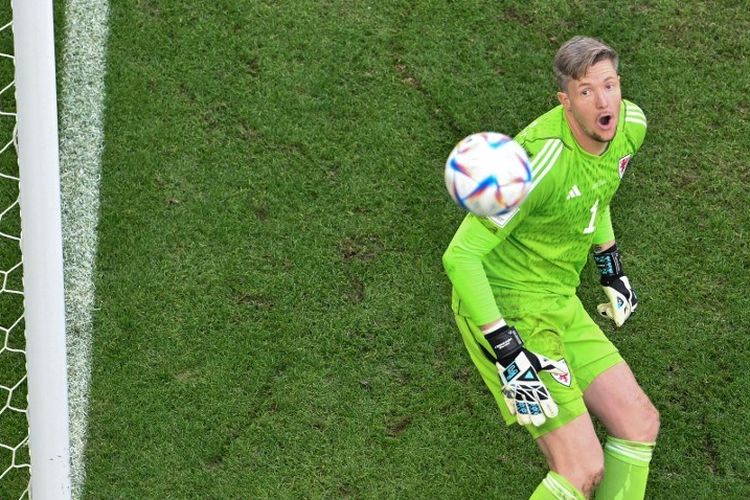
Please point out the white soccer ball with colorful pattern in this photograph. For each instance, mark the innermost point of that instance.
(488, 174)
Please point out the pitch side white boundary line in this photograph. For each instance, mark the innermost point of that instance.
(81, 145)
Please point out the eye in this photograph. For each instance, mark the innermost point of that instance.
(586, 92)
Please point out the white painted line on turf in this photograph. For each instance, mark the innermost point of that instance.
(81, 145)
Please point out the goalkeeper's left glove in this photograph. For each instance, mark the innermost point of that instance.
(622, 298)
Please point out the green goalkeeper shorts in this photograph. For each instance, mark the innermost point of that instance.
(562, 330)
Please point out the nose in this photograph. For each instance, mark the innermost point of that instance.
(601, 101)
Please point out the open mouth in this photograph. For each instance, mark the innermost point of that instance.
(605, 120)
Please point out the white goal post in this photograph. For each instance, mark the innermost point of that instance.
(41, 248)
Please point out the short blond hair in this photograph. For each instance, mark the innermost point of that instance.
(577, 55)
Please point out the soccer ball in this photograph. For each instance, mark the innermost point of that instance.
(488, 174)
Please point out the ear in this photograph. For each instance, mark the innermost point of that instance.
(564, 99)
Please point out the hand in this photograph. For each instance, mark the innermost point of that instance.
(525, 394)
(622, 300)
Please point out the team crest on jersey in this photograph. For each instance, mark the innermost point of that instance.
(624, 164)
(565, 377)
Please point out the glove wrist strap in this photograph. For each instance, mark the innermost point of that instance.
(609, 264)
(506, 343)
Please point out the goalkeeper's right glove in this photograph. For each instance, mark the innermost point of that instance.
(525, 394)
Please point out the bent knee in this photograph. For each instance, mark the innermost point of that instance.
(585, 473)
(652, 424)
(593, 478)
(645, 427)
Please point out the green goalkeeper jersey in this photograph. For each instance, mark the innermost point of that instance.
(508, 264)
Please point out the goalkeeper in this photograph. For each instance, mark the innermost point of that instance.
(548, 364)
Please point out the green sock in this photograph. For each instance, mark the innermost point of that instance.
(556, 487)
(625, 470)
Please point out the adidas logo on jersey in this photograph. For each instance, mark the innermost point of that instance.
(574, 192)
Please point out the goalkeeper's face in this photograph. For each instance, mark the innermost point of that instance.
(593, 105)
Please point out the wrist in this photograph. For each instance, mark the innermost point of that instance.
(492, 326)
(604, 246)
(609, 264)
(506, 343)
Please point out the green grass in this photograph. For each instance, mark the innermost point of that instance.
(13, 426)
(272, 317)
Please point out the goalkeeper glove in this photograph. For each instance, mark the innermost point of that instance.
(525, 395)
(622, 298)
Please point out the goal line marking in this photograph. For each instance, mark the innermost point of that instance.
(81, 145)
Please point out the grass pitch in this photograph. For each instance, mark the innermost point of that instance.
(273, 320)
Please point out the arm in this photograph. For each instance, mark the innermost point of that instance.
(604, 236)
(474, 239)
(622, 298)
(463, 265)
(524, 393)
(527, 398)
